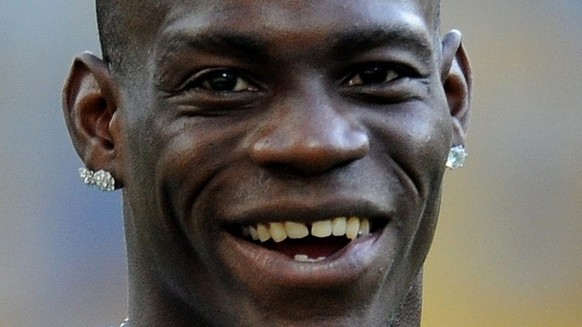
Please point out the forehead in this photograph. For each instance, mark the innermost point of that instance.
(297, 20)
(291, 14)
(296, 9)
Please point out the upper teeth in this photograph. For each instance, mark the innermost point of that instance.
(351, 227)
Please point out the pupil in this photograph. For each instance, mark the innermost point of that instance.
(222, 81)
(373, 75)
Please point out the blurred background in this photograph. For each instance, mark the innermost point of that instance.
(508, 251)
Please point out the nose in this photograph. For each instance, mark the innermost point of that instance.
(309, 137)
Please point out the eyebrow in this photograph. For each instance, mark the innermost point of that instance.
(248, 47)
(345, 44)
(254, 48)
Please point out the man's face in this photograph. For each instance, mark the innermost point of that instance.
(281, 118)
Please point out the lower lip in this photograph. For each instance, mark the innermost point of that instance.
(249, 260)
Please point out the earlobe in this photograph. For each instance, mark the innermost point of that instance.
(90, 101)
(457, 83)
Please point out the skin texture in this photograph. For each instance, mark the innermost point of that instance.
(300, 134)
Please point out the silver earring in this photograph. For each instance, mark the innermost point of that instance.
(101, 179)
(457, 156)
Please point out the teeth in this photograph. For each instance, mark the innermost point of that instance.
(321, 228)
(263, 232)
(254, 233)
(301, 257)
(351, 228)
(296, 230)
(339, 226)
(364, 227)
(305, 258)
(278, 232)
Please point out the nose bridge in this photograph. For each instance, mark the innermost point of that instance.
(307, 133)
(308, 119)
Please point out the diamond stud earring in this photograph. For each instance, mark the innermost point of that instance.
(101, 179)
(457, 156)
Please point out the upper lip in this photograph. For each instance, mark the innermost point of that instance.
(304, 211)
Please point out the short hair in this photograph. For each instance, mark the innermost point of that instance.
(107, 37)
(116, 19)
(111, 36)
(114, 16)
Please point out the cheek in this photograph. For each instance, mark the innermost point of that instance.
(429, 137)
(416, 138)
(191, 153)
(172, 161)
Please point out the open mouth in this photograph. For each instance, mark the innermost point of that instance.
(308, 242)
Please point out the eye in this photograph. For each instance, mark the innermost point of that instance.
(222, 80)
(372, 75)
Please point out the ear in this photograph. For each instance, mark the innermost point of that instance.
(90, 102)
(457, 82)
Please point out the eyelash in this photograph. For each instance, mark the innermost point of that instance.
(378, 74)
(234, 81)
(231, 78)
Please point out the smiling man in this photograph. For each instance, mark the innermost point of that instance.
(281, 161)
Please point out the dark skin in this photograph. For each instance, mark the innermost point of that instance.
(246, 112)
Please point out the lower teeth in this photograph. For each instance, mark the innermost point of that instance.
(305, 258)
